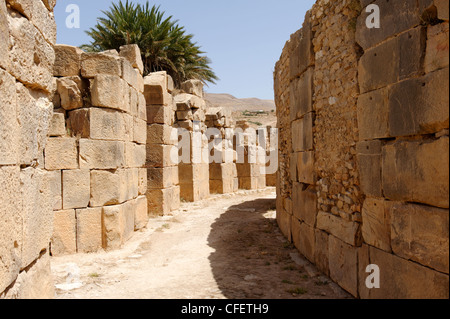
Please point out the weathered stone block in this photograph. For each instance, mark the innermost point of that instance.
(141, 213)
(55, 181)
(113, 226)
(369, 165)
(31, 56)
(284, 221)
(160, 114)
(373, 114)
(302, 133)
(416, 107)
(321, 251)
(36, 213)
(11, 224)
(93, 64)
(78, 123)
(304, 238)
(89, 230)
(67, 60)
(421, 233)
(186, 102)
(437, 55)
(76, 188)
(139, 131)
(442, 9)
(347, 231)
(301, 94)
(162, 134)
(9, 128)
(155, 89)
(194, 87)
(162, 177)
(417, 171)
(129, 74)
(106, 188)
(57, 125)
(304, 199)
(163, 201)
(305, 168)
(302, 55)
(248, 183)
(61, 153)
(106, 124)
(343, 262)
(397, 59)
(132, 53)
(135, 155)
(96, 154)
(161, 155)
(4, 37)
(376, 223)
(103, 96)
(402, 279)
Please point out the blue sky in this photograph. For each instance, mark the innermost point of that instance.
(243, 38)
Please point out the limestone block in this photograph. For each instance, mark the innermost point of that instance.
(416, 107)
(398, 16)
(135, 155)
(369, 164)
(195, 190)
(102, 94)
(61, 153)
(321, 252)
(36, 213)
(106, 124)
(437, 55)
(155, 89)
(248, 170)
(106, 188)
(284, 221)
(9, 127)
(304, 238)
(162, 177)
(113, 226)
(428, 182)
(302, 133)
(130, 179)
(93, 64)
(185, 115)
(162, 134)
(301, 94)
(67, 60)
(132, 53)
(305, 168)
(394, 60)
(185, 102)
(248, 183)
(50, 4)
(442, 8)
(96, 154)
(35, 282)
(142, 107)
(304, 199)
(129, 210)
(4, 37)
(194, 87)
(142, 183)
(141, 213)
(64, 241)
(139, 131)
(160, 114)
(11, 237)
(376, 223)
(163, 201)
(373, 114)
(55, 189)
(133, 102)
(70, 94)
(302, 55)
(39, 16)
(343, 261)
(262, 182)
(402, 279)
(223, 186)
(32, 57)
(161, 155)
(421, 233)
(34, 112)
(78, 123)
(89, 230)
(129, 74)
(57, 125)
(76, 188)
(346, 231)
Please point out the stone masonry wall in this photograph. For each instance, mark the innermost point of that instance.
(368, 163)
(96, 149)
(27, 37)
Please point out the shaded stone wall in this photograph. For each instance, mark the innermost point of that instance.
(27, 37)
(368, 164)
(96, 149)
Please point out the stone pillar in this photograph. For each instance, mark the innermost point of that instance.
(96, 149)
(162, 169)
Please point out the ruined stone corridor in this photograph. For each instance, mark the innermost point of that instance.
(228, 246)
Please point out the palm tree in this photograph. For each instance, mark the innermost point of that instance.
(164, 44)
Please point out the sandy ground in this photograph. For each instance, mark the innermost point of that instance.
(226, 247)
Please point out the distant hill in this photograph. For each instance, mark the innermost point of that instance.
(242, 108)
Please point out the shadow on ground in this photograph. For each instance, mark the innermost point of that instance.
(252, 259)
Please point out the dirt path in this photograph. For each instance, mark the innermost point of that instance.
(228, 246)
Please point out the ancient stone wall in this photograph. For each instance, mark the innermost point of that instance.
(96, 149)
(368, 165)
(27, 37)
